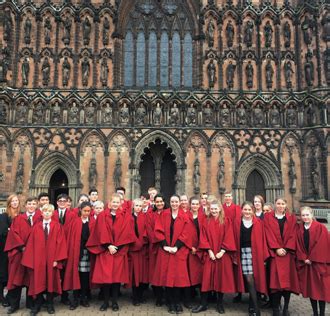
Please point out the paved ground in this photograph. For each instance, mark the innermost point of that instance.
(298, 307)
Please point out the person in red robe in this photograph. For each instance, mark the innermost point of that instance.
(109, 241)
(138, 254)
(82, 198)
(313, 260)
(77, 272)
(204, 202)
(154, 246)
(251, 254)
(171, 270)
(43, 199)
(44, 255)
(280, 228)
(126, 205)
(217, 240)
(231, 210)
(18, 236)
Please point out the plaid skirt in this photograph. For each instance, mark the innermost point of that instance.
(84, 263)
(246, 260)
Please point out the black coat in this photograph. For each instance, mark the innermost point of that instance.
(5, 222)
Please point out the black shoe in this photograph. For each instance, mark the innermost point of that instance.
(187, 305)
(12, 310)
(135, 302)
(84, 303)
(5, 303)
(73, 305)
(199, 308)
(171, 309)
(159, 303)
(178, 309)
(285, 312)
(220, 308)
(104, 307)
(65, 301)
(267, 305)
(237, 298)
(50, 309)
(115, 307)
(33, 313)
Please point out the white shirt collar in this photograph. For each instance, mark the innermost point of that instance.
(85, 220)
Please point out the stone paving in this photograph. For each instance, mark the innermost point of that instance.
(298, 307)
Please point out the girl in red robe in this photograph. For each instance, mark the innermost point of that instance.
(217, 238)
(171, 271)
(109, 241)
(280, 228)
(251, 255)
(313, 260)
(44, 255)
(78, 265)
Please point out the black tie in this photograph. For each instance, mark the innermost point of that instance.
(30, 220)
(61, 217)
(46, 230)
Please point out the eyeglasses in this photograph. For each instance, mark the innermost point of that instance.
(62, 201)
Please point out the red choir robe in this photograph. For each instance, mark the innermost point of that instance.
(69, 216)
(283, 271)
(233, 211)
(111, 268)
(171, 270)
(195, 265)
(39, 256)
(127, 206)
(218, 275)
(71, 276)
(314, 279)
(17, 238)
(259, 255)
(138, 262)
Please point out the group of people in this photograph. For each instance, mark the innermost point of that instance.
(194, 244)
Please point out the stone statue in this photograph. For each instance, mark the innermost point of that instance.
(92, 176)
(288, 72)
(291, 116)
(326, 27)
(3, 112)
(45, 69)
(140, 114)
(292, 176)
(306, 27)
(123, 117)
(174, 115)
(196, 177)
(20, 176)
(311, 115)
(38, 113)
(158, 114)
(25, 71)
(249, 73)
(248, 33)
(67, 23)
(269, 74)
(287, 34)
(268, 30)
(89, 113)
(221, 176)
(210, 33)
(7, 26)
(85, 70)
(326, 65)
(27, 31)
(74, 114)
(225, 115)
(315, 176)
(47, 30)
(274, 116)
(208, 114)
(117, 173)
(106, 31)
(191, 115)
(230, 33)
(87, 27)
(258, 115)
(241, 115)
(107, 113)
(56, 113)
(309, 70)
(104, 72)
(66, 72)
(230, 74)
(21, 112)
(211, 72)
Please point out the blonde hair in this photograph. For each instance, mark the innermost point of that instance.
(116, 195)
(287, 210)
(221, 217)
(249, 204)
(309, 209)
(48, 207)
(137, 200)
(9, 210)
(98, 203)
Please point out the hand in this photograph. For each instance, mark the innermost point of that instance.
(173, 250)
(193, 250)
(307, 261)
(281, 252)
(220, 254)
(167, 248)
(212, 256)
(55, 264)
(112, 249)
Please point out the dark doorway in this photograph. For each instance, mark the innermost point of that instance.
(255, 185)
(167, 175)
(58, 184)
(147, 171)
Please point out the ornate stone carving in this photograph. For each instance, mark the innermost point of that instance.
(211, 72)
(104, 72)
(268, 30)
(249, 73)
(291, 145)
(47, 30)
(45, 69)
(208, 115)
(196, 176)
(158, 114)
(67, 24)
(288, 72)
(230, 33)
(210, 33)
(258, 115)
(66, 72)
(306, 27)
(123, 116)
(27, 31)
(274, 116)
(92, 175)
(291, 116)
(230, 74)
(221, 176)
(117, 172)
(309, 69)
(311, 114)
(21, 112)
(56, 113)
(74, 114)
(326, 65)
(25, 71)
(287, 34)
(248, 33)
(191, 118)
(89, 113)
(241, 115)
(106, 31)
(107, 113)
(3, 112)
(225, 115)
(20, 175)
(269, 74)
(85, 70)
(8, 26)
(87, 27)
(326, 27)
(140, 114)
(38, 113)
(174, 115)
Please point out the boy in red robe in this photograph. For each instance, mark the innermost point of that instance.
(16, 241)
(43, 256)
(232, 211)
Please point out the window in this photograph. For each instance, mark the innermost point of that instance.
(128, 62)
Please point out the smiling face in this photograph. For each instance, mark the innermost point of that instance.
(31, 206)
(215, 210)
(184, 204)
(14, 202)
(152, 194)
(280, 206)
(61, 203)
(204, 199)
(115, 203)
(43, 200)
(228, 198)
(159, 202)
(98, 209)
(257, 204)
(194, 205)
(247, 212)
(83, 198)
(175, 203)
(138, 206)
(85, 212)
(306, 215)
(93, 196)
(47, 212)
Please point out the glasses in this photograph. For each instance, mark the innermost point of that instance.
(62, 201)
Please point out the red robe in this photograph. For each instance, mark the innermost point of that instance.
(18, 236)
(39, 256)
(138, 254)
(233, 211)
(283, 272)
(111, 268)
(314, 279)
(68, 218)
(171, 270)
(218, 275)
(259, 255)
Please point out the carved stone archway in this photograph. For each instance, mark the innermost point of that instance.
(44, 170)
(269, 172)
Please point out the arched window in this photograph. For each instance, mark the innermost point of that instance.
(188, 58)
(176, 60)
(140, 60)
(129, 59)
(152, 80)
(164, 60)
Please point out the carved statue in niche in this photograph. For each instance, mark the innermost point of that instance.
(56, 113)
(89, 113)
(3, 112)
(309, 69)
(67, 23)
(291, 116)
(241, 115)
(221, 176)
(191, 115)
(27, 31)
(25, 71)
(248, 33)
(269, 74)
(158, 114)
(174, 118)
(117, 173)
(196, 176)
(311, 115)
(225, 115)
(230, 33)
(208, 114)
(292, 176)
(104, 72)
(287, 34)
(315, 183)
(87, 27)
(85, 70)
(45, 69)
(47, 30)
(258, 115)
(21, 112)
(92, 176)
(326, 65)
(38, 113)
(107, 113)
(211, 71)
(288, 72)
(66, 72)
(123, 116)
(274, 116)
(20, 176)
(106, 31)
(7, 26)
(230, 74)
(210, 33)
(249, 73)
(306, 27)
(326, 27)
(74, 114)
(140, 114)
(268, 30)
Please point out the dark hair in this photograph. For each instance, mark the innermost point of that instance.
(121, 189)
(62, 196)
(93, 190)
(175, 195)
(42, 194)
(159, 195)
(69, 198)
(146, 195)
(83, 205)
(193, 198)
(31, 198)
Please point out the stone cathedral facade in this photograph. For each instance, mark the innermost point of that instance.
(189, 96)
